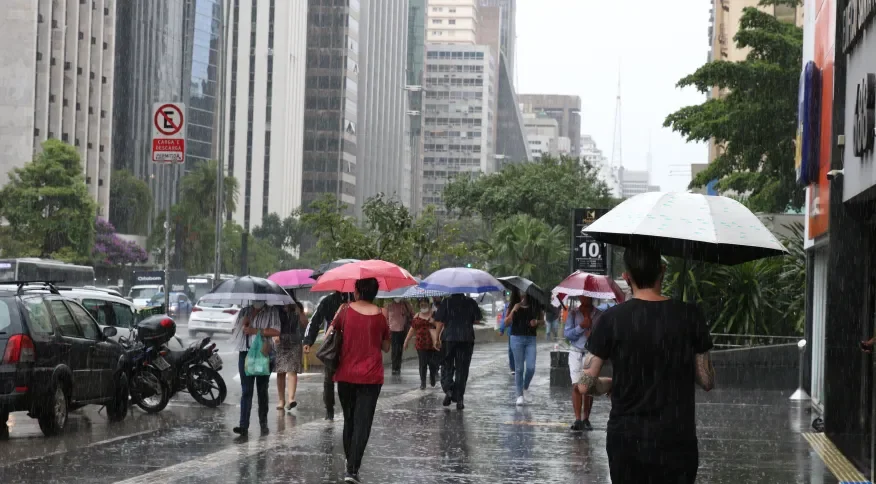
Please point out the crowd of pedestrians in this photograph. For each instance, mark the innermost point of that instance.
(658, 347)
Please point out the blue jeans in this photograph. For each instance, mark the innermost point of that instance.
(552, 329)
(247, 383)
(524, 355)
(511, 355)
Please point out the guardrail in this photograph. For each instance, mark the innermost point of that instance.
(728, 341)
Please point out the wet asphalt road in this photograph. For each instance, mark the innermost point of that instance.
(744, 438)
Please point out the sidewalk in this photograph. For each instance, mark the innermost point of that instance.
(745, 437)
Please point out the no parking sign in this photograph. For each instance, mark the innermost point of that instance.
(169, 133)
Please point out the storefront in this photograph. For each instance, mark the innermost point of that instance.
(841, 297)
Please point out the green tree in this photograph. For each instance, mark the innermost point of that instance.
(756, 120)
(525, 246)
(47, 207)
(130, 203)
(547, 189)
(284, 234)
(262, 258)
(193, 219)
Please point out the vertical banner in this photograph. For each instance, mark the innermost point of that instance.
(586, 254)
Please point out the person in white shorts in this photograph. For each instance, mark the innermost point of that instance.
(577, 330)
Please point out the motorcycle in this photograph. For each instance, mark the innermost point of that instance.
(147, 369)
(196, 370)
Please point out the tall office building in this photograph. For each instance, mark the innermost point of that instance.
(57, 82)
(565, 109)
(383, 156)
(504, 14)
(149, 69)
(416, 64)
(202, 30)
(266, 93)
(330, 116)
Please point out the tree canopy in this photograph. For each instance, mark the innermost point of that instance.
(112, 250)
(755, 121)
(527, 247)
(48, 208)
(130, 203)
(547, 189)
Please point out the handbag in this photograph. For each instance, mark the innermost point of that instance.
(257, 363)
(330, 351)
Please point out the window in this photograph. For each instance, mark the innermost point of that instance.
(437, 21)
(66, 324)
(102, 311)
(38, 318)
(51, 98)
(452, 21)
(451, 10)
(86, 322)
(79, 106)
(65, 102)
(124, 316)
(79, 70)
(65, 137)
(67, 65)
(39, 56)
(53, 62)
(93, 40)
(81, 35)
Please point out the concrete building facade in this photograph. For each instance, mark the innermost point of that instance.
(542, 133)
(57, 82)
(502, 13)
(457, 115)
(331, 97)
(383, 156)
(565, 109)
(265, 99)
(452, 21)
(594, 156)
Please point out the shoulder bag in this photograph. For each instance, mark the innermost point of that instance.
(330, 351)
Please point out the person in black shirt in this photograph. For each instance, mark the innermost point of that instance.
(525, 317)
(659, 349)
(322, 317)
(455, 320)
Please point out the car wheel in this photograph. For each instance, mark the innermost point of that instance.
(53, 415)
(117, 408)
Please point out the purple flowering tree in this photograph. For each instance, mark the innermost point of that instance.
(112, 250)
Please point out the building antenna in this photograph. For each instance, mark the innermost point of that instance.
(617, 158)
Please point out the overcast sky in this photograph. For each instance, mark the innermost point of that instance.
(575, 47)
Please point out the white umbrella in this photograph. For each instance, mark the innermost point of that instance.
(698, 227)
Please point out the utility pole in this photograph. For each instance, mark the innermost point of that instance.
(220, 176)
(171, 170)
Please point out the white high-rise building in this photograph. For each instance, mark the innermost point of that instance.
(57, 82)
(452, 21)
(595, 157)
(265, 106)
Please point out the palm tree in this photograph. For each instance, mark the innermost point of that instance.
(527, 247)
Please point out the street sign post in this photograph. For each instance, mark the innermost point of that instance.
(586, 254)
(169, 133)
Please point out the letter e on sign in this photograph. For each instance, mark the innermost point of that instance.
(168, 133)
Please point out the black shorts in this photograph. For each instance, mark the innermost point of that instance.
(633, 461)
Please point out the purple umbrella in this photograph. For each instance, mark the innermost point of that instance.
(293, 279)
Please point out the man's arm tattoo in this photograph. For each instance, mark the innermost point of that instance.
(705, 371)
(595, 385)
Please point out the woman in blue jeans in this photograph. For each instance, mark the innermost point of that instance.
(256, 321)
(525, 317)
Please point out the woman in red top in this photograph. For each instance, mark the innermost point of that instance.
(360, 372)
(420, 327)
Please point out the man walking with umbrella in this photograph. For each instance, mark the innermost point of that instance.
(455, 320)
(322, 317)
(659, 348)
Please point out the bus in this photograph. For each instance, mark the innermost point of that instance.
(33, 269)
(202, 284)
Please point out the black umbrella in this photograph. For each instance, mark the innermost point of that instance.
(530, 288)
(329, 266)
(245, 290)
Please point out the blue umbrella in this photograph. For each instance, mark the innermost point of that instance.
(457, 280)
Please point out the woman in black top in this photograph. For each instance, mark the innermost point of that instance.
(525, 317)
(289, 353)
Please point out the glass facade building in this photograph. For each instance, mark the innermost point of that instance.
(415, 67)
(203, 38)
(331, 96)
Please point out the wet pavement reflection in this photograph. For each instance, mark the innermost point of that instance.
(745, 437)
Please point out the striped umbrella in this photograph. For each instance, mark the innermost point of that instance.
(245, 290)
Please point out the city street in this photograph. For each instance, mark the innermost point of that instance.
(744, 437)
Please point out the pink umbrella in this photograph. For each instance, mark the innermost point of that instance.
(389, 276)
(586, 284)
(293, 279)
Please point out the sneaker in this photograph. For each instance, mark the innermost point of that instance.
(578, 426)
(352, 477)
(291, 405)
(460, 405)
(265, 430)
(520, 401)
(329, 414)
(448, 399)
(513, 372)
(240, 430)
(586, 424)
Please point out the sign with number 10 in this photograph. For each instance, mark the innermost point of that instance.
(587, 254)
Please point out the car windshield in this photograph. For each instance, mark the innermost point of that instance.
(143, 292)
(158, 298)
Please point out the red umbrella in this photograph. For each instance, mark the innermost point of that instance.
(586, 284)
(389, 276)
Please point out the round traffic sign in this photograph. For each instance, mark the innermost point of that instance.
(165, 123)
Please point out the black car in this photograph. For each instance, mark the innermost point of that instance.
(55, 358)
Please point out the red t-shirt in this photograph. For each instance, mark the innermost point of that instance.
(361, 353)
